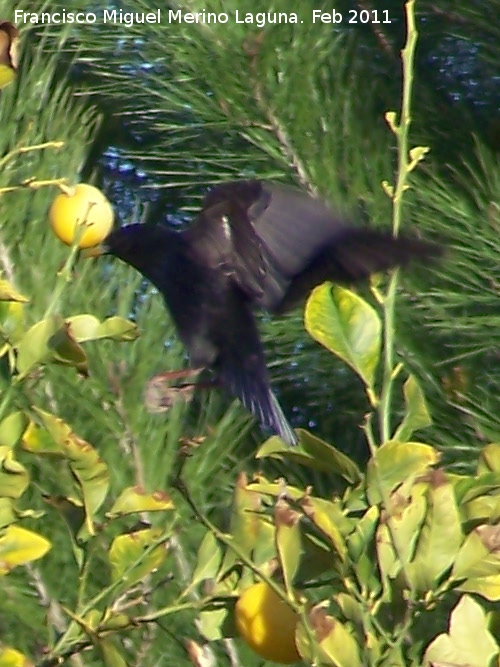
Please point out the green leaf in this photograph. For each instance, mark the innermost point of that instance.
(347, 326)
(217, 624)
(479, 555)
(132, 558)
(328, 517)
(14, 478)
(487, 587)
(55, 437)
(441, 535)
(395, 462)
(34, 348)
(274, 489)
(8, 293)
(469, 488)
(87, 327)
(361, 546)
(340, 646)
(55, 339)
(407, 514)
(483, 508)
(12, 321)
(489, 458)
(335, 642)
(111, 656)
(245, 520)
(12, 428)
(49, 340)
(416, 413)
(468, 641)
(394, 658)
(208, 561)
(19, 546)
(311, 452)
(288, 541)
(65, 350)
(8, 512)
(134, 499)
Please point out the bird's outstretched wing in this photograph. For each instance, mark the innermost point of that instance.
(223, 239)
(261, 235)
(278, 242)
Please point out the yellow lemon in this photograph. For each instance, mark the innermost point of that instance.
(83, 205)
(267, 624)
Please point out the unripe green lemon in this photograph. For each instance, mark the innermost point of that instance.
(267, 624)
(83, 205)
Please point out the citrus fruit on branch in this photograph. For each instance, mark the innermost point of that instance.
(82, 208)
(267, 623)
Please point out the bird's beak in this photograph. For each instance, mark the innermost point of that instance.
(96, 251)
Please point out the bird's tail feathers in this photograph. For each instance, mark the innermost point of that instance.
(256, 395)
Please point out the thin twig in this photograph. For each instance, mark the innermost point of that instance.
(55, 614)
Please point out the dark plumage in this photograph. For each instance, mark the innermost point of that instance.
(253, 245)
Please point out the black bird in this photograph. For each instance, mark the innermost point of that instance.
(253, 245)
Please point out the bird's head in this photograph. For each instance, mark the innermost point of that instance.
(140, 245)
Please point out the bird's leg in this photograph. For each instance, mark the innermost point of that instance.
(181, 373)
(160, 394)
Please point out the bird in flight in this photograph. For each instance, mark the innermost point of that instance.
(254, 245)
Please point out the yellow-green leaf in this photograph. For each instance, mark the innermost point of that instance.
(347, 326)
(12, 428)
(9, 293)
(468, 641)
(311, 452)
(395, 462)
(19, 546)
(416, 413)
(361, 547)
(111, 656)
(208, 561)
(49, 340)
(274, 489)
(407, 514)
(483, 508)
(489, 458)
(14, 478)
(55, 437)
(135, 555)
(134, 499)
(327, 516)
(8, 512)
(87, 327)
(217, 623)
(340, 646)
(487, 587)
(119, 329)
(245, 519)
(12, 321)
(288, 541)
(479, 555)
(440, 538)
(335, 643)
